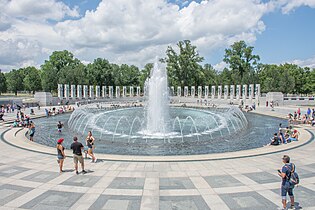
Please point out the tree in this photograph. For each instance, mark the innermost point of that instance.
(145, 73)
(241, 60)
(15, 80)
(32, 80)
(183, 68)
(73, 74)
(3, 83)
(52, 67)
(100, 72)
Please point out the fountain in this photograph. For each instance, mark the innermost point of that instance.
(161, 129)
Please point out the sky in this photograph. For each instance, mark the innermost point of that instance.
(134, 32)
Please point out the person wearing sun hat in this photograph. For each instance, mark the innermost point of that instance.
(60, 153)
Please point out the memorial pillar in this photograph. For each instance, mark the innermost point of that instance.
(60, 91)
(179, 91)
(212, 91)
(79, 91)
(226, 92)
(199, 91)
(185, 91)
(98, 91)
(91, 92)
(73, 91)
(192, 91)
(110, 91)
(67, 91)
(206, 91)
(232, 91)
(219, 91)
(104, 91)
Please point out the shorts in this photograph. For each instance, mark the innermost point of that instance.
(59, 129)
(286, 189)
(60, 157)
(77, 158)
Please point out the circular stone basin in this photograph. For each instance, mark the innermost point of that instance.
(188, 132)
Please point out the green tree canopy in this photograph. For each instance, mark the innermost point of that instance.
(15, 80)
(183, 67)
(3, 83)
(32, 79)
(52, 67)
(241, 61)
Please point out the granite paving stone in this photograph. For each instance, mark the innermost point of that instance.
(222, 181)
(247, 201)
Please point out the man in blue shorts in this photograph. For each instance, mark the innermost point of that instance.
(286, 187)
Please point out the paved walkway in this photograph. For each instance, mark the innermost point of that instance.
(30, 180)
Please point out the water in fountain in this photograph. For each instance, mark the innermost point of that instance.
(157, 110)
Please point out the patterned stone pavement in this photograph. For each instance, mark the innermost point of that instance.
(30, 180)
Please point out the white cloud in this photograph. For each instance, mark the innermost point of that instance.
(39, 10)
(290, 5)
(125, 31)
(310, 62)
(220, 66)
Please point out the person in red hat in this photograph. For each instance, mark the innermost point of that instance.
(60, 153)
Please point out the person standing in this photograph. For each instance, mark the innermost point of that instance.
(299, 113)
(59, 126)
(90, 144)
(32, 131)
(60, 154)
(286, 187)
(77, 155)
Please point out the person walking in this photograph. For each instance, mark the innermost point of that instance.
(90, 144)
(77, 155)
(60, 154)
(286, 187)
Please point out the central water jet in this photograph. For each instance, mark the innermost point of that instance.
(157, 109)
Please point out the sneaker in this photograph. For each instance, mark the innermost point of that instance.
(77, 172)
(84, 172)
(95, 160)
(292, 207)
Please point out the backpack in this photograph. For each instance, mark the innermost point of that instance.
(294, 177)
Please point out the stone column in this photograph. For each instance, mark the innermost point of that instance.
(257, 90)
(85, 92)
(117, 92)
(172, 91)
(60, 91)
(124, 92)
(73, 91)
(232, 91)
(179, 91)
(110, 91)
(104, 91)
(79, 91)
(67, 91)
(212, 91)
(199, 91)
(251, 91)
(192, 91)
(244, 92)
(206, 91)
(138, 91)
(91, 91)
(219, 91)
(131, 91)
(185, 91)
(238, 92)
(226, 92)
(98, 91)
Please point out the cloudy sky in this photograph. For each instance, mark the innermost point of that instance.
(135, 31)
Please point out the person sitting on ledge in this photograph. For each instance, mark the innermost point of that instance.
(295, 136)
(275, 140)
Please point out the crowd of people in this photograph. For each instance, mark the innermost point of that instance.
(299, 118)
(77, 150)
(284, 135)
(59, 110)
